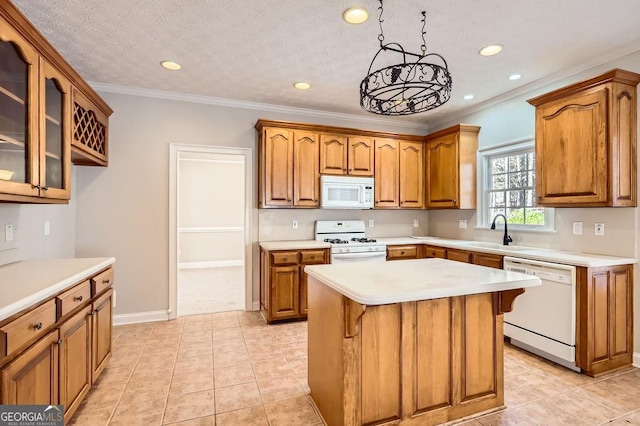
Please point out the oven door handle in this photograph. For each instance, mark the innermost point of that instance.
(358, 255)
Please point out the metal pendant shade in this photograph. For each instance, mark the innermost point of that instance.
(408, 87)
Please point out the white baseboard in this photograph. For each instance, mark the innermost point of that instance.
(210, 265)
(138, 317)
(636, 359)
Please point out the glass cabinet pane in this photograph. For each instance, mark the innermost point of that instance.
(54, 98)
(14, 155)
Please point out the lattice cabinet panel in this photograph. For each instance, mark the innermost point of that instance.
(90, 133)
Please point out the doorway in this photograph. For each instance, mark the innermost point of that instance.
(210, 230)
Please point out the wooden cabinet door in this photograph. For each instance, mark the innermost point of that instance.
(75, 360)
(432, 251)
(404, 252)
(442, 172)
(101, 327)
(459, 255)
(333, 155)
(285, 292)
(278, 167)
(55, 133)
(489, 260)
(605, 323)
(571, 142)
(360, 157)
(32, 377)
(306, 179)
(386, 173)
(411, 175)
(19, 105)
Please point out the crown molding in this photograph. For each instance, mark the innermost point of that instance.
(420, 128)
(625, 50)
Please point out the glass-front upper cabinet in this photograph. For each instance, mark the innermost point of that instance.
(19, 164)
(35, 124)
(55, 133)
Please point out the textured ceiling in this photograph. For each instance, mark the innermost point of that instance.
(254, 50)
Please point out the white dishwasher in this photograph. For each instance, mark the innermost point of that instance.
(543, 318)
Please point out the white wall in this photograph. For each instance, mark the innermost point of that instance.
(122, 211)
(514, 120)
(28, 227)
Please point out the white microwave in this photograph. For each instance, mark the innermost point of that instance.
(346, 192)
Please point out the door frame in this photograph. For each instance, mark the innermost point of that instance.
(249, 237)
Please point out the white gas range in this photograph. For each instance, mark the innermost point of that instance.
(349, 242)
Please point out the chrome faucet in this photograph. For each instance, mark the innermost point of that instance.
(506, 239)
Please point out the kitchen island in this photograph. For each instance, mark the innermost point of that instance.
(418, 341)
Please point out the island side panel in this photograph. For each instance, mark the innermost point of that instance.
(326, 334)
(479, 346)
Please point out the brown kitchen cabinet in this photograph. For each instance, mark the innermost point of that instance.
(283, 282)
(487, 259)
(411, 174)
(434, 251)
(604, 318)
(75, 361)
(53, 352)
(386, 175)
(36, 123)
(402, 252)
(586, 143)
(346, 155)
(90, 138)
(289, 168)
(459, 255)
(451, 167)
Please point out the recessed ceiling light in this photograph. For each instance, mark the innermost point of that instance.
(490, 50)
(515, 76)
(170, 65)
(302, 85)
(468, 97)
(355, 15)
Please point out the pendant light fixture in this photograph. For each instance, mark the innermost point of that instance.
(408, 87)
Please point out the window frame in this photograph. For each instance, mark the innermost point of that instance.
(484, 185)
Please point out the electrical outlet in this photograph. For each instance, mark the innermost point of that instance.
(371, 223)
(416, 223)
(577, 228)
(294, 224)
(8, 232)
(462, 224)
(599, 230)
(47, 227)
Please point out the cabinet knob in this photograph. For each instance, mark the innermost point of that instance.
(402, 252)
(59, 342)
(105, 281)
(44, 188)
(35, 186)
(37, 326)
(92, 313)
(78, 299)
(313, 257)
(284, 259)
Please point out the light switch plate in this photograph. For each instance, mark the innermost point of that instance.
(8, 232)
(416, 223)
(577, 228)
(294, 224)
(47, 227)
(599, 229)
(370, 223)
(462, 224)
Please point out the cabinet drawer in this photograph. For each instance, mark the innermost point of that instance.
(430, 251)
(27, 328)
(284, 257)
(313, 256)
(459, 255)
(101, 282)
(402, 252)
(489, 260)
(73, 298)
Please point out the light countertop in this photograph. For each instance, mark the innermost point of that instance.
(294, 245)
(27, 283)
(421, 279)
(587, 260)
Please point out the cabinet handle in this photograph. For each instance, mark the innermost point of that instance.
(59, 342)
(105, 281)
(402, 252)
(91, 313)
(284, 259)
(35, 186)
(44, 188)
(78, 299)
(313, 257)
(37, 326)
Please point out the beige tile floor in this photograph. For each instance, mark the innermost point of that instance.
(233, 369)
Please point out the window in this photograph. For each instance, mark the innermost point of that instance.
(509, 188)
